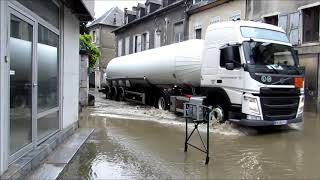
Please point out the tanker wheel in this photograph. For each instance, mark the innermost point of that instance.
(121, 94)
(114, 93)
(162, 103)
(108, 93)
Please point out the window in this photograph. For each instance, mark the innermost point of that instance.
(144, 41)
(237, 59)
(215, 19)
(178, 32)
(157, 38)
(48, 80)
(120, 47)
(94, 36)
(127, 45)
(46, 9)
(198, 33)
(311, 24)
(271, 20)
(148, 8)
(252, 32)
(135, 44)
(236, 15)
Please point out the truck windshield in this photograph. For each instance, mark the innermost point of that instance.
(272, 56)
(259, 33)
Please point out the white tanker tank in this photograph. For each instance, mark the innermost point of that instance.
(176, 64)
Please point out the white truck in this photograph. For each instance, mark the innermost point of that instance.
(247, 71)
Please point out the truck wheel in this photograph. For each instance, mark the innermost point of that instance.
(219, 113)
(162, 104)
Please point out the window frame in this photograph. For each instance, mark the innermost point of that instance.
(302, 9)
(271, 16)
(215, 19)
(94, 36)
(195, 33)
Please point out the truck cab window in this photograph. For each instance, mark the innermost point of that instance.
(236, 57)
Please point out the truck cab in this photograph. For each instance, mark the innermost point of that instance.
(250, 74)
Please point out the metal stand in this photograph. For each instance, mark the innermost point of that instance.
(198, 114)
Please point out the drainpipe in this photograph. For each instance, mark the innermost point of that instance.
(186, 21)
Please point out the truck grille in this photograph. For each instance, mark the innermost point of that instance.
(279, 108)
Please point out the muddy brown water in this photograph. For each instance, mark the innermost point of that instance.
(132, 141)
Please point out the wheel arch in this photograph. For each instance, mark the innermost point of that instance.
(216, 94)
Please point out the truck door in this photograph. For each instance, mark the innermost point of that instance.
(229, 73)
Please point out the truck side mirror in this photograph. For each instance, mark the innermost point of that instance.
(230, 66)
(228, 53)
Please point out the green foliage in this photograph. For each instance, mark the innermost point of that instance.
(93, 51)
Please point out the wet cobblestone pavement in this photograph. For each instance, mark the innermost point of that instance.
(133, 141)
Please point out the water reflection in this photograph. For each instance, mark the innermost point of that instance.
(140, 147)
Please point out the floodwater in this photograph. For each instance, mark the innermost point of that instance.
(132, 141)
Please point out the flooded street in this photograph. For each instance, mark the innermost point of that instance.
(133, 141)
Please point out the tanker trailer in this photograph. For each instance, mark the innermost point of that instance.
(151, 76)
(248, 72)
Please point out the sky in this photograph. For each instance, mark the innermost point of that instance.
(102, 6)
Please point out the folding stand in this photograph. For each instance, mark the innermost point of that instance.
(198, 114)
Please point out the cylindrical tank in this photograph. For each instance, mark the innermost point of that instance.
(174, 64)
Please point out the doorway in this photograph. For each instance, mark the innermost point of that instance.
(22, 83)
(34, 53)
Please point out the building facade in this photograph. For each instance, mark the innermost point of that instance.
(102, 36)
(202, 13)
(300, 19)
(39, 72)
(153, 24)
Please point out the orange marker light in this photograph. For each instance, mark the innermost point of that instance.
(298, 82)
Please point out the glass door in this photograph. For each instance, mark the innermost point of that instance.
(21, 48)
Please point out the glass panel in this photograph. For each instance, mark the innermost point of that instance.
(252, 32)
(20, 45)
(48, 124)
(47, 69)
(46, 9)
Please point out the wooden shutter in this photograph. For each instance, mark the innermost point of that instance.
(294, 28)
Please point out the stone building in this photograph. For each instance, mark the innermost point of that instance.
(202, 13)
(153, 24)
(300, 19)
(104, 39)
(39, 76)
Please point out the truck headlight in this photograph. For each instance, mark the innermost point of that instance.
(252, 105)
(301, 106)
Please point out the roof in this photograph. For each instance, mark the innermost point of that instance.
(108, 18)
(169, 7)
(203, 5)
(82, 8)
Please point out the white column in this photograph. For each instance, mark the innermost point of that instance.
(4, 90)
